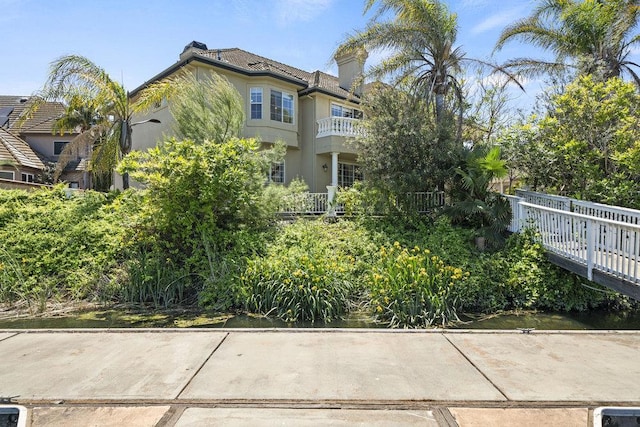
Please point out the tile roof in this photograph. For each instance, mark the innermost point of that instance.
(16, 150)
(42, 120)
(252, 63)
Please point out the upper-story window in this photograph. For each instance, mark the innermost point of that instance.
(26, 177)
(58, 147)
(281, 107)
(338, 110)
(256, 102)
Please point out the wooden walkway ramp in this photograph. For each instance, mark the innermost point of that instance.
(599, 242)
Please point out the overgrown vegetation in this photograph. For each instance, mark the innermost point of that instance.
(204, 231)
(585, 146)
(405, 274)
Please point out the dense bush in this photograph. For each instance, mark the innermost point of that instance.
(201, 201)
(517, 276)
(412, 287)
(54, 246)
(312, 271)
(97, 246)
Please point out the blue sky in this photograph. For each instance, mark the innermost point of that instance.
(136, 39)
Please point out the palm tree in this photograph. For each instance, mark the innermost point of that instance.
(421, 37)
(590, 36)
(105, 100)
(475, 203)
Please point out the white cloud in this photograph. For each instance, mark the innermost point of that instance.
(498, 20)
(466, 4)
(290, 11)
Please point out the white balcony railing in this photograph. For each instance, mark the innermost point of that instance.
(339, 126)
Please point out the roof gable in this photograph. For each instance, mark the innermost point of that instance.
(42, 120)
(14, 149)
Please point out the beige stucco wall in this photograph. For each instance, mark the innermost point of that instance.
(305, 153)
(17, 185)
(43, 143)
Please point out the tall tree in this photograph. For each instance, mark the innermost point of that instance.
(586, 145)
(589, 36)
(421, 36)
(205, 109)
(110, 135)
(417, 153)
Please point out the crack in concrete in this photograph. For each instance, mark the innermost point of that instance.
(202, 366)
(476, 367)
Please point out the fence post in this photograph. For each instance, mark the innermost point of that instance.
(591, 247)
(331, 197)
(519, 217)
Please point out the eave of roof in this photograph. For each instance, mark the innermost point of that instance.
(181, 64)
(42, 121)
(311, 84)
(13, 148)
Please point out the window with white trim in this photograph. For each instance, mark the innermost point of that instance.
(256, 102)
(281, 106)
(7, 175)
(276, 173)
(348, 174)
(26, 177)
(338, 110)
(58, 147)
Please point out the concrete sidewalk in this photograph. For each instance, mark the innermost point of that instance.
(199, 377)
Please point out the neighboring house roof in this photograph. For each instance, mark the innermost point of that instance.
(15, 150)
(250, 64)
(42, 121)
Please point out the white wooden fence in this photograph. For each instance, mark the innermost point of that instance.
(305, 203)
(319, 203)
(601, 237)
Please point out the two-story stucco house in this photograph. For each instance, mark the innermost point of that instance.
(29, 145)
(314, 113)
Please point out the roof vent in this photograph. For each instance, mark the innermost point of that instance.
(23, 99)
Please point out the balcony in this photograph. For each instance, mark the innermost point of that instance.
(339, 126)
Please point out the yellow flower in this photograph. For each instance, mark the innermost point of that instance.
(379, 309)
(314, 288)
(396, 244)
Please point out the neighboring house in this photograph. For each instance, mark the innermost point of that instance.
(37, 133)
(19, 164)
(313, 113)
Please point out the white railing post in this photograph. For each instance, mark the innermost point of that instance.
(591, 247)
(522, 213)
(331, 198)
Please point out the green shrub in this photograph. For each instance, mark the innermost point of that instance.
(52, 246)
(298, 285)
(312, 271)
(413, 288)
(153, 280)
